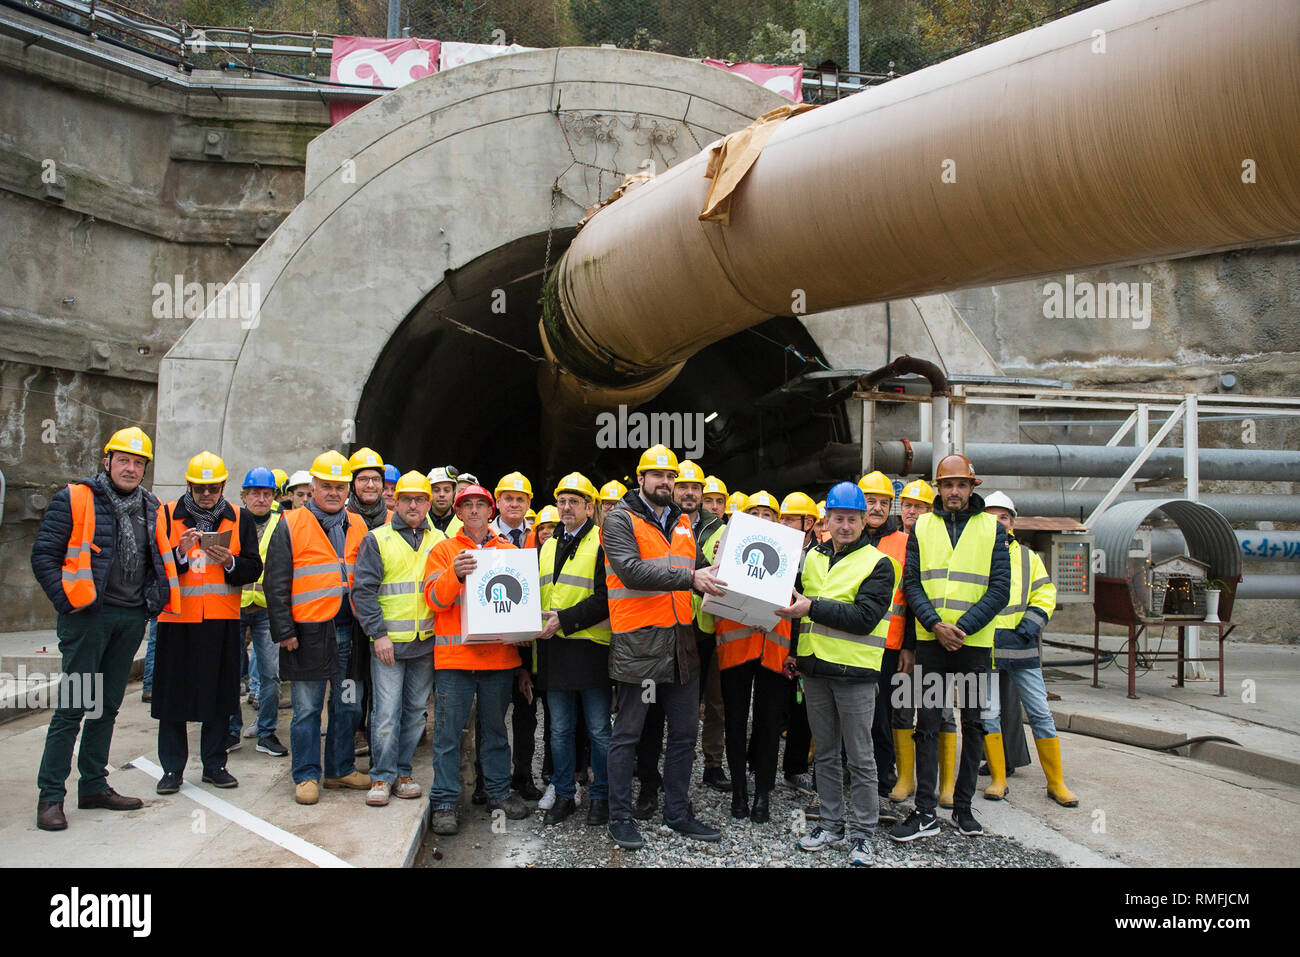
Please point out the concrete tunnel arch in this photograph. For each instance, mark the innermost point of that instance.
(422, 202)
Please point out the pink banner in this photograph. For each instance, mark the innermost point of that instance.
(371, 61)
(786, 80)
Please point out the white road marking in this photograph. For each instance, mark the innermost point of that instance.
(290, 842)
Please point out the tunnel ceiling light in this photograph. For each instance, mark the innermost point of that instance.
(710, 417)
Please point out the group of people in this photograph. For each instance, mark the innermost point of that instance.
(349, 578)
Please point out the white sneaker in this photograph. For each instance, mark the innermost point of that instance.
(860, 853)
(250, 731)
(378, 794)
(548, 799)
(818, 839)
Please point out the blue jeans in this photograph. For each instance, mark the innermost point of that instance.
(452, 700)
(148, 654)
(344, 712)
(399, 704)
(595, 709)
(266, 654)
(1033, 695)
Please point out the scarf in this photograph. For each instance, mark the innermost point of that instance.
(331, 524)
(375, 515)
(205, 519)
(128, 508)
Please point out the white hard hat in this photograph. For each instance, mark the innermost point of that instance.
(1001, 500)
(301, 477)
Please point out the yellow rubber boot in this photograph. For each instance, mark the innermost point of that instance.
(997, 760)
(1049, 755)
(905, 759)
(947, 766)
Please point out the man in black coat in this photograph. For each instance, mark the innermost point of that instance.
(97, 560)
(197, 655)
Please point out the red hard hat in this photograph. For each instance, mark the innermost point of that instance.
(470, 491)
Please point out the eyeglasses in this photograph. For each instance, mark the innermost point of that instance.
(370, 480)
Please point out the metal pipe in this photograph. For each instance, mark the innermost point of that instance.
(1255, 545)
(1269, 586)
(903, 178)
(1095, 461)
(1235, 508)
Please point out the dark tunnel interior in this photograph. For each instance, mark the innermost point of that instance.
(442, 395)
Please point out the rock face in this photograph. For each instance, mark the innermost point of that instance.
(441, 194)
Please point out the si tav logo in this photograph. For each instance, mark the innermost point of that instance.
(760, 556)
(503, 591)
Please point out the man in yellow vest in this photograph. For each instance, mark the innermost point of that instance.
(210, 552)
(309, 572)
(96, 558)
(842, 598)
(573, 650)
(956, 581)
(1017, 660)
(651, 567)
(393, 615)
(258, 496)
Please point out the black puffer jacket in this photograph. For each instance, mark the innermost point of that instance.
(995, 596)
(51, 546)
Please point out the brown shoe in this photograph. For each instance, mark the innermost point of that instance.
(360, 745)
(109, 800)
(49, 816)
(356, 780)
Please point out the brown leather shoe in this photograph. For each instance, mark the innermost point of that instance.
(109, 800)
(49, 816)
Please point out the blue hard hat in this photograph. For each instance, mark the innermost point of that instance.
(391, 474)
(259, 477)
(846, 495)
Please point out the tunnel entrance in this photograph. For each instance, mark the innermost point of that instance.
(457, 384)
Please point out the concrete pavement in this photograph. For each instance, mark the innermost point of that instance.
(1138, 806)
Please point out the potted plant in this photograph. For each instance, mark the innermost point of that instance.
(1212, 590)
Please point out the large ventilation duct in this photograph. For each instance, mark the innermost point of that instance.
(1134, 131)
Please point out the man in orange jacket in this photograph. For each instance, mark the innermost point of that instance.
(488, 670)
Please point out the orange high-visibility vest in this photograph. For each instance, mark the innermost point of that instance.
(443, 591)
(201, 592)
(895, 546)
(320, 577)
(78, 582)
(738, 643)
(630, 608)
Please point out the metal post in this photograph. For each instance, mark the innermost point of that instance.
(394, 18)
(958, 413)
(940, 428)
(1192, 470)
(1142, 433)
(925, 429)
(868, 434)
(855, 61)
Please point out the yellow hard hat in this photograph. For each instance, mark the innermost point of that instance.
(415, 484)
(688, 471)
(821, 510)
(714, 486)
(281, 477)
(365, 459)
(514, 482)
(797, 503)
(918, 491)
(657, 457)
(130, 440)
(875, 483)
(762, 499)
(332, 467)
(548, 515)
(578, 484)
(736, 502)
(206, 469)
(531, 516)
(612, 491)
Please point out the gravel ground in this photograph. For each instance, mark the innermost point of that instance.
(530, 843)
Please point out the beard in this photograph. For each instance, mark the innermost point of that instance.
(660, 497)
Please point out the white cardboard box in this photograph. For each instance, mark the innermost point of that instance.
(502, 600)
(759, 561)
